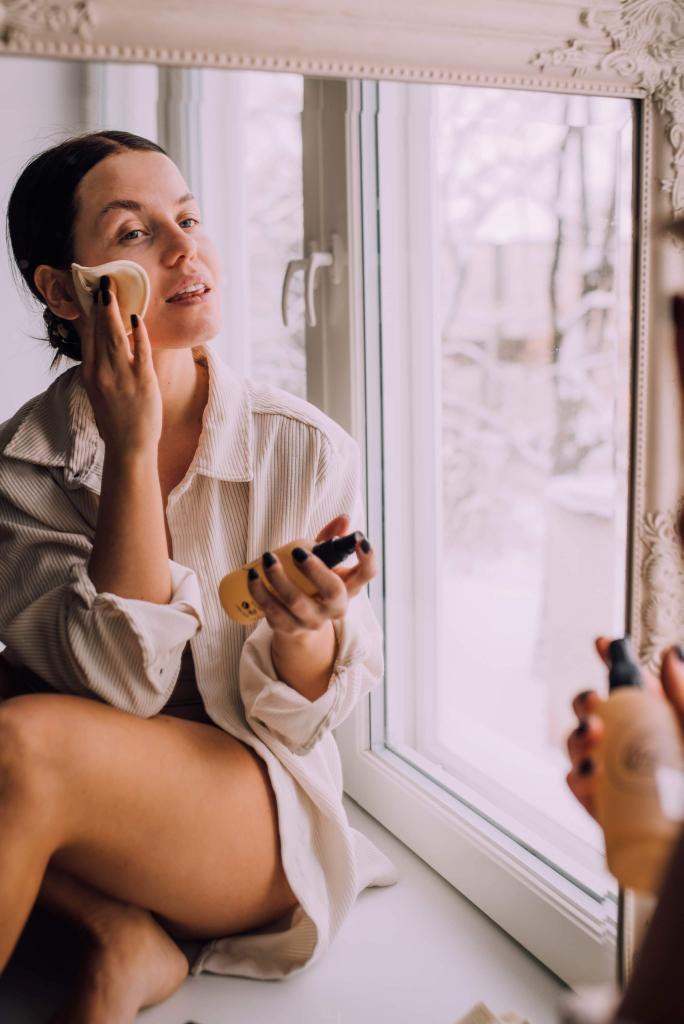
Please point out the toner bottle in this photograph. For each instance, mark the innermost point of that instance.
(233, 590)
(639, 776)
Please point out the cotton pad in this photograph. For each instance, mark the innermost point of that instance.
(132, 287)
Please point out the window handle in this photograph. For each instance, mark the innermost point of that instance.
(311, 265)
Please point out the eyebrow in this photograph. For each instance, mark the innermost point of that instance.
(131, 204)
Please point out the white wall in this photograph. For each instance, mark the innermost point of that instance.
(41, 101)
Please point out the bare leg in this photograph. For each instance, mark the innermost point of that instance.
(223, 873)
(130, 962)
(122, 941)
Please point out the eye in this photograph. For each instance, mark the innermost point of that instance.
(127, 236)
(186, 219)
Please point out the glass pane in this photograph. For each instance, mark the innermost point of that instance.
(275, 226)
(520, 432)
(247, 176)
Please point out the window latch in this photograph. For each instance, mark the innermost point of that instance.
(311, 264)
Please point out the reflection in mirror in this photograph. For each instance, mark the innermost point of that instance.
(505, 242)
(236, 137)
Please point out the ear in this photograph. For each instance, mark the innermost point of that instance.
(57, 289)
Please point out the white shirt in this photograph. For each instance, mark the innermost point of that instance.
(268, 468)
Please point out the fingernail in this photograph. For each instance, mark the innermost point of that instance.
(134, 320)
(268, 559)
(104, 281)
(581, 697)
(96, 296)
(365, 546)
(581, 728)
(252, 574)
(299, 554)
(106, 297)
(585, 767)
(679, 651)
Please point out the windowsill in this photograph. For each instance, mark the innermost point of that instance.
(415, 952)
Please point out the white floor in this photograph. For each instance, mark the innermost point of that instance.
(417, 953)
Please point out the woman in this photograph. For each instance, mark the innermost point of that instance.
(178, 768)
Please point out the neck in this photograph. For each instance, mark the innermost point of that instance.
(184, 386)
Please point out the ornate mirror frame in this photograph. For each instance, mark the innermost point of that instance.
(626, 48)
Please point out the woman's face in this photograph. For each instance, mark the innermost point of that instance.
(135, 205)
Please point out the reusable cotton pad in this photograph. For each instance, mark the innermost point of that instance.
(132, 287)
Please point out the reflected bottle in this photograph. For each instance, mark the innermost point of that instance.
(639, 776)
(234, 593)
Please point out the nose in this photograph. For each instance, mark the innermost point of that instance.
(180, 245)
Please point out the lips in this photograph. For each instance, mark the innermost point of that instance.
(182, 293)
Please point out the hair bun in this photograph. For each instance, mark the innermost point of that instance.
(62, 335)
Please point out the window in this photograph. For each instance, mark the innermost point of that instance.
(498, 355)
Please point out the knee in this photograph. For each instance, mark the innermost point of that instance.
(26, 742)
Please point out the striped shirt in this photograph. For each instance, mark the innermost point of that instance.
(268, 468)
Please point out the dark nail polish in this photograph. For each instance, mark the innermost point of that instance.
(252, 574)
(268, 560)
(134, 320)
(679, 651)
(581, 729)
(585, 767)
(299, 554)
(96, 296)
(581, 697)
(104, 281)
(365, 546)
(106, 297)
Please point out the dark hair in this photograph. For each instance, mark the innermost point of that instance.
(42, 211)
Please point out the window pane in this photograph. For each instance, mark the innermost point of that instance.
(275, 226)
(512, 270)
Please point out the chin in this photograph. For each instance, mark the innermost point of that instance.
(195, 331)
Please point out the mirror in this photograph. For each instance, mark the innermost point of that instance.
(499, 429)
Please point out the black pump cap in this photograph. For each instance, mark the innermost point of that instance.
(624, 670)
(332, 552)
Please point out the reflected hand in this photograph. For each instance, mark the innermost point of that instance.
(290, 610)
(583, 741)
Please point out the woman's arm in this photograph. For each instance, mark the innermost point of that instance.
(130, 555)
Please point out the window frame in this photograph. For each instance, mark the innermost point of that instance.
(566, 929)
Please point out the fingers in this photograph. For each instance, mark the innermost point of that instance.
(672, 675)
(310, 612)
(142, 347)
(337, 527)
(585, 703)
(358, 576)
(583, 741)
(277, 615)
(582, 783)
(602, 644)
(109, 324)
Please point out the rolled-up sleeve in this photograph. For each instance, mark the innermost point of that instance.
(123, 651)
(272, 704)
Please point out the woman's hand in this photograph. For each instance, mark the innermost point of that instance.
(291, 610)
(303, 643)
(582, 742)
(120, 378)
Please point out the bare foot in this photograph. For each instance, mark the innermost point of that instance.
(131, 963)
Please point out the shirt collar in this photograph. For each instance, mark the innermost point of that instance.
(60, 429)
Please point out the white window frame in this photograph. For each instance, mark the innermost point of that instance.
(566, 928)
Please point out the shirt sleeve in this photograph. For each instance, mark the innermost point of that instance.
(290, 717)
(123, 651)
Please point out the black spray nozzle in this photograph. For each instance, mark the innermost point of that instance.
(624, 669)
(332, 552)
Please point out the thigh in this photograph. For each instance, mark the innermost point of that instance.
(174, 816)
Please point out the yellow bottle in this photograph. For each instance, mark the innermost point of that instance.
(639, 759)
(233, 590)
